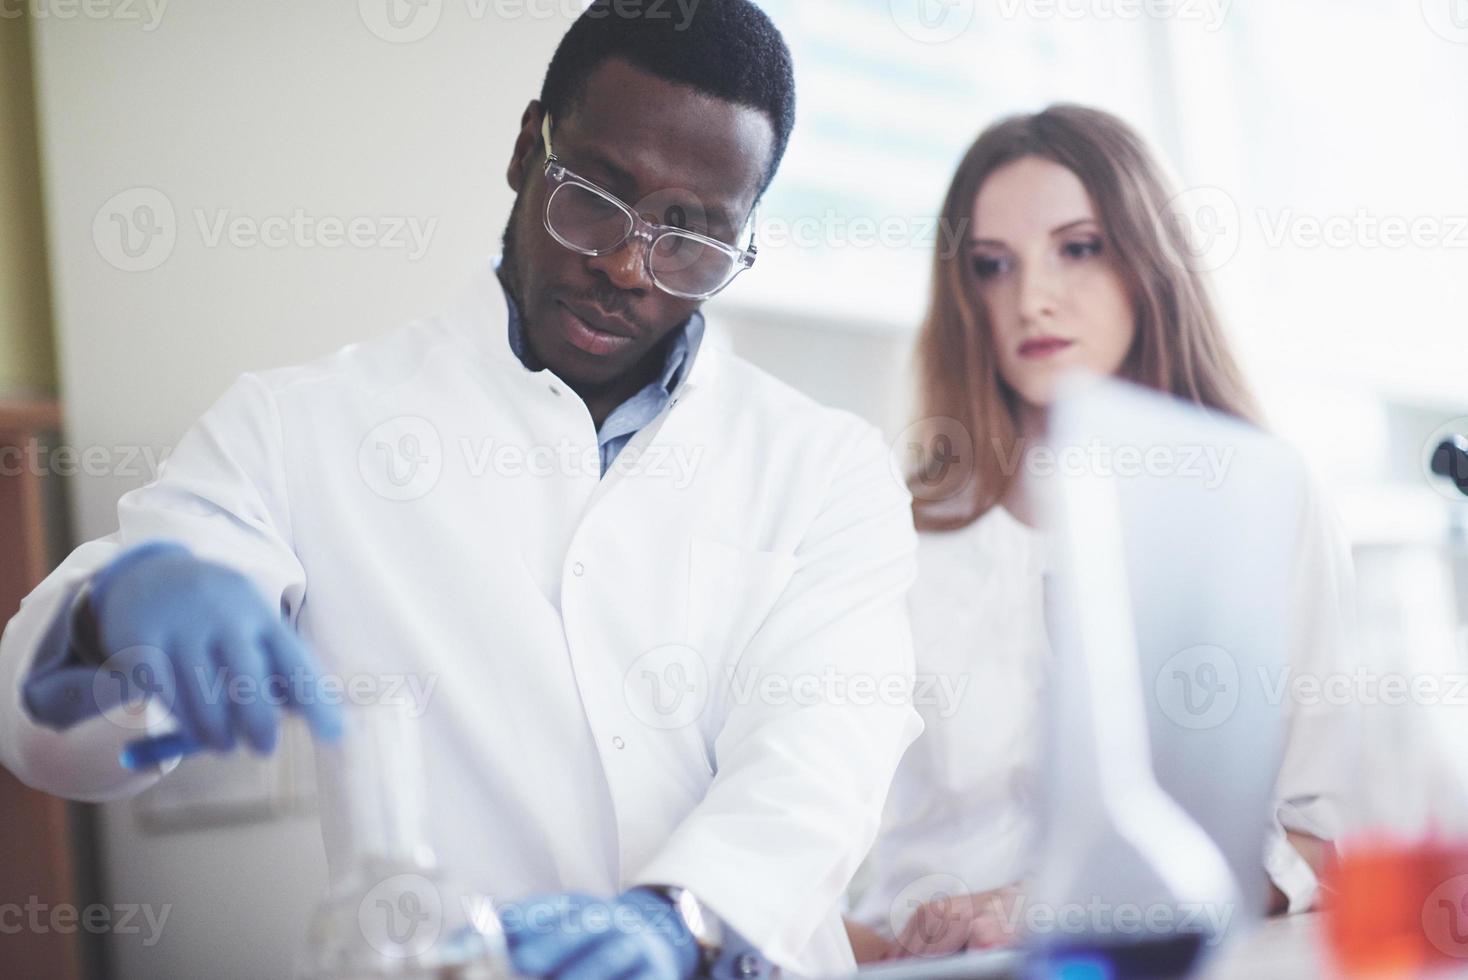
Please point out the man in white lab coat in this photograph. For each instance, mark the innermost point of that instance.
(654, 596)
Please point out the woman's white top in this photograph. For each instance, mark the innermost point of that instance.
(960, 805)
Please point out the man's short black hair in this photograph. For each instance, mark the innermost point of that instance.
(725, 48)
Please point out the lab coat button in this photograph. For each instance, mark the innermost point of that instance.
(578, 569)
(619, 742)
(747, 965)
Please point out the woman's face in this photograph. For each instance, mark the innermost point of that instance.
(1047, 278)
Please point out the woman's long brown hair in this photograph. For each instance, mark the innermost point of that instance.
(1179, 347)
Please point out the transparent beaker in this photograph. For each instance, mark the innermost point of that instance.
(1397, 903)
(390, 910)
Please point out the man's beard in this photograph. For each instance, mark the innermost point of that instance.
(509, 271)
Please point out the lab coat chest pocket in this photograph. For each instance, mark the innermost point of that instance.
(731, 592)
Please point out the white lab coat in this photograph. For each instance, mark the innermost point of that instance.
(372, 495)
(962, 801)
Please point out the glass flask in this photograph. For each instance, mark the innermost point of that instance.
(390, 910)
(1398, 891)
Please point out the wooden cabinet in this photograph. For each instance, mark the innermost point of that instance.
(36, 865)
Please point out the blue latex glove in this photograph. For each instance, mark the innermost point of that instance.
(636, 936)
(194, 634)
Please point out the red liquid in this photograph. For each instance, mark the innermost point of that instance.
(1398, 911)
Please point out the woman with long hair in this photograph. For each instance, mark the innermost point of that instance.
(1073, 259)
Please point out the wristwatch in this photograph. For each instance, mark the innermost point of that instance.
(706, 928)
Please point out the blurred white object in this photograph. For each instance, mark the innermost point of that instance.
(1174, 614)
(391, 910)
(962, 806)
(1182, 584)
(1414, 688)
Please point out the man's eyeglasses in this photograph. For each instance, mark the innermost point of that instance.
(592, 221)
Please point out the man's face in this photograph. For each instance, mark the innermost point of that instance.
(678, 157)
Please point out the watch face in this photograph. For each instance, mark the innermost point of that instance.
(705, 930)
(692, 914)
